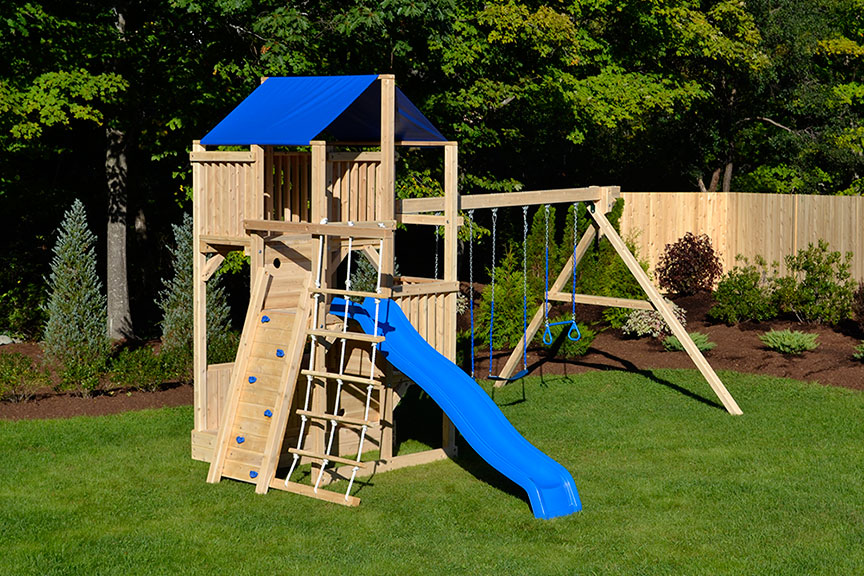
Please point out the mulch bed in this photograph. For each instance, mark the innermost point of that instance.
(738, 348)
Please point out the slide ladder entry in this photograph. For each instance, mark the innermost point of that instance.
(265, 372)
(318, 380)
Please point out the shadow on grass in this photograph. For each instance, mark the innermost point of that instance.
(623, 365)
(472, 463)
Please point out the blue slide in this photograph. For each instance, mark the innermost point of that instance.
(549, 485)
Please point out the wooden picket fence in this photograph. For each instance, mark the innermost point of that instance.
(770, 225)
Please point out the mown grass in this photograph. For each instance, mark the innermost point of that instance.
(670, 484)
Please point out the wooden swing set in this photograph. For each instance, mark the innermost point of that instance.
(304, 391)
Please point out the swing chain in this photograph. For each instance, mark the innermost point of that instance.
(546, 244)
(575, 242)
(524, 287)
(471, 281)
(436, 251)
(492, 307)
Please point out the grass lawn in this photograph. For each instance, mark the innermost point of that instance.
(669, 482)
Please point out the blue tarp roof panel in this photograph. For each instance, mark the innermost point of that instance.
(294, 111)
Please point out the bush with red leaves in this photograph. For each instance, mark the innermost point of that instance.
(689, 265)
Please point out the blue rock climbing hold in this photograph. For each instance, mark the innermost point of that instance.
(252, 379)
(253, 474)
(265, 319)
(240, 439)
(280, 353)
(268, 413)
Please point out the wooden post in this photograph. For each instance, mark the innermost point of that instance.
(665, 310)
(387, 211)
(199, 297)
(451, 230)
(256, 243)
(320, 210)
(385, 185)
(269, 206)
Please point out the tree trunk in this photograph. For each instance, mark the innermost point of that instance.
(727, 177)
(715, 179)
(119, 316)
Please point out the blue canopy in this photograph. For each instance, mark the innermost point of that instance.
(294, 111)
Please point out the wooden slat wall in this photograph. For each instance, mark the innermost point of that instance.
(225, 189)
(295, 261)
(218, 382)
(770, 225)
(427, 313)
(291, 184)
(353, 185)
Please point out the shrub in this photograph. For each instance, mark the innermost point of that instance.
(75, 334)
(508, 328)
(689, 265)
(140, 369)
(175, 300)
(819, 287)
(364, 276)
(858, 305)
(859, 352)
(744, 293)
(563, 346)
(22, 309)
(642, 323)
(19, 377)
(789, 341)
(672, 344)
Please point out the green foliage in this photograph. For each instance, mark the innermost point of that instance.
(75, 334)
(819, 287)
(364, 277)
(702, 342)
(508, 328)
(22, 309)
(564, 347)
(58, 98)
(789, 341)
(641, 323)
(140, 369)
(859, 352)
(175, 301)
(20, 379)
(689, 265)
(858, 305)
(744, 293)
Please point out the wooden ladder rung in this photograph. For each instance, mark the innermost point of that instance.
(343, 377)
(343, 419)
(331, 458)
(321, 494)
(359, 336)
(280, 311)
(385, 292)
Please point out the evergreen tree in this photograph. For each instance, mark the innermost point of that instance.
(175, 300)
(75, 337)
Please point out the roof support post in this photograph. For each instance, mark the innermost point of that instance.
(387, 211)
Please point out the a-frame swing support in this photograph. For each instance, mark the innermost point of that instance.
(603, 203)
